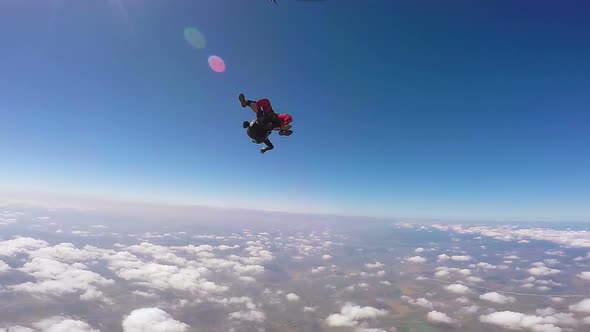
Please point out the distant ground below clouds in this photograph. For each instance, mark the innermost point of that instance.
(63, 269)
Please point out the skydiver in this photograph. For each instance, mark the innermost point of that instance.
(266, 116)
(258, 134)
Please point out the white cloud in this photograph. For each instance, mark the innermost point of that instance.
(440, 317)
(376, 265)
(583, 275)
(441, 273)
(517, 321)
(309, 309)
(367, 329)
(416, 259)
(419, 250)
(465, 272)
(485, 265)
(57, 278)
(20, 245)
(326, 257)
(251, 315)
(472, 309)
(63, 324)
(497, 298)
(249, 269)
(318, 269)
(224, 247)
(540, 269)
(568, 238)
(458, 289)
(461, 258)
(152, 320)
(4, 267)
(421, 302)
(582, 306)
(351, 314)
(166, 277)
(474, 279)
(291, 297)
(443, 257)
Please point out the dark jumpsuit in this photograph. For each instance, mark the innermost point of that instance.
(260, 135)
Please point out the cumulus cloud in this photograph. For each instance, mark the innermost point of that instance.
(249, 269)
(442, 273)
(57, 278)
(461, 258)
(326, 257)
(63, 324)
(4, 267)
(474, 279)
(583, 275)
(497, 298)
(458, 289)
(419, 250)
(224, 247)
(539, 269)
(367, 329)
(443, 257)
(20, 245)
(472, 309)
(517, 321)
(152, 320)
(250, 316)
(582, 306)
(485, 265)
(190, 278)
(440, 317)
(318, 269)
(291, 297)
(351, 314)
(568, 238)
(376, 265)
(416, 259)
(420, 302)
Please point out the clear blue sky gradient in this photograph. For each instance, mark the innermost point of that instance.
(401, 108)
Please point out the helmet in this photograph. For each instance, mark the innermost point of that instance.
(245, 124)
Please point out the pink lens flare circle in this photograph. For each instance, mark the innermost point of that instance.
(216, 64)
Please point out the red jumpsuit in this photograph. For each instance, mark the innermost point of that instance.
(264, 106)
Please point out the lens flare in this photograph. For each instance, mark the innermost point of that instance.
(216, 64)
(195, 38)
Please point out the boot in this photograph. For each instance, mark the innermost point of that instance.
(285, 132)
(243, 100)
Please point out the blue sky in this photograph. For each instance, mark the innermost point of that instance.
(400, 109)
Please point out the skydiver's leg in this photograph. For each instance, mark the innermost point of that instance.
(244, 102)
(268, 147)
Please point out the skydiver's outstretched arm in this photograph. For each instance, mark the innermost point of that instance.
(268, 147)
